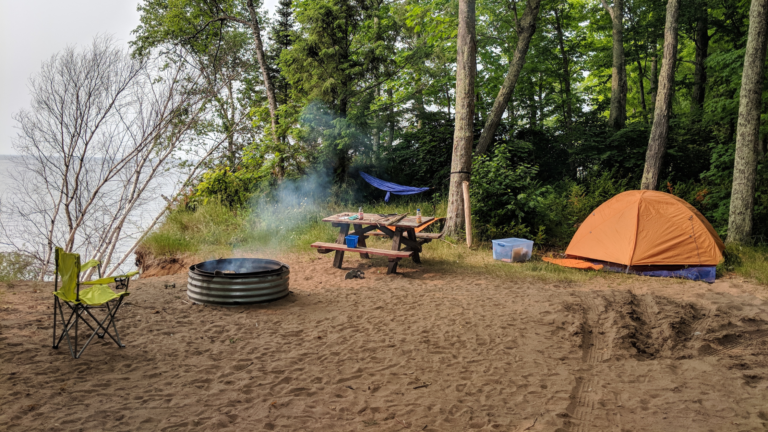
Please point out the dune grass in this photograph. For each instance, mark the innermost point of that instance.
(215, 231)
(212, 229)
(750, 262)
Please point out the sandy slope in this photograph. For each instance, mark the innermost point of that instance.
(417, 351)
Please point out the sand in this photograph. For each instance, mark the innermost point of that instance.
(419, 351)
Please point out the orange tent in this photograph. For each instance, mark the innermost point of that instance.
(645, 227)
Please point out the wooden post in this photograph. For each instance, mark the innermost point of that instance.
(467, 214)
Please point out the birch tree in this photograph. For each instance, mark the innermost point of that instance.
(618, 115)
(466, 71)
(660, 130)
(101, 131)
(526, 27)
(748, 129)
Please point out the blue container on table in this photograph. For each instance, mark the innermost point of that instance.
(512, 249)
(351, 241)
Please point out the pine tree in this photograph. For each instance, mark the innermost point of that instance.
(281, 39)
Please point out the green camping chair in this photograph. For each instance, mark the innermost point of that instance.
(97, 295)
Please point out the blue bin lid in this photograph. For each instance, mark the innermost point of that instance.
(512, 240)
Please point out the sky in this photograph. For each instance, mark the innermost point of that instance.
(31, 31)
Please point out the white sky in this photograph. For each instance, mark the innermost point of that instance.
(31, 31)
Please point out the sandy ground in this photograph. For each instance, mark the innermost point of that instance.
(415, 351)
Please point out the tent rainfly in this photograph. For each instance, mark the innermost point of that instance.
(648, 232)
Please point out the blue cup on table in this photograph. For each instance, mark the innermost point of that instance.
(351, 241)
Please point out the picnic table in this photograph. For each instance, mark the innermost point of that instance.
(402, 233)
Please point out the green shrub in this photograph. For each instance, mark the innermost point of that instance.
(232, 189)
(505, 195)
(17, 266)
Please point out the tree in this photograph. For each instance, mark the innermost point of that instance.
(463, 135)
(101, 133)
(195, 17)
(255, 27)
(618, 115)
(701, 41)
(336, 63)
(567, 93)
(221, 51)
(660, 130)
(747, 135)
(281, 39)
(526, 27)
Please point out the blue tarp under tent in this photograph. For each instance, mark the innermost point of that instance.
(391, 188)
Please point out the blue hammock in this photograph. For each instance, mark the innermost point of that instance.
(391, 188)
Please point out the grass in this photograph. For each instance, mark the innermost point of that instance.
(449, 257)
(215, 231)
(748, 261)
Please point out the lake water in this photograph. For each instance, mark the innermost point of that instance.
(137, 224)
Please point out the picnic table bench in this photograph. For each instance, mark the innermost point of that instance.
(403, 236)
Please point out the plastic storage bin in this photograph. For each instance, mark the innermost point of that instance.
(351, 241)
(512, 249)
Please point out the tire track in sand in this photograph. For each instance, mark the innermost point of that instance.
(596, 346)
(733, 342)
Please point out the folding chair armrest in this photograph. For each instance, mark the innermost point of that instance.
(89, 264)
(109, 280)
(102, 281)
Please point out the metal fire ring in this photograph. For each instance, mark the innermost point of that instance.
(238, 281)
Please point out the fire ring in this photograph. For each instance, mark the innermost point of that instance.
(237, 281)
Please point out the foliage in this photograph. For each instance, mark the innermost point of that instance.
(230, 189)
(422, 157)
(504, 192)
(368, 86)
(210, 228)
(17, 266)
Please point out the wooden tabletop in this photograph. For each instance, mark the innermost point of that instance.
(373, 219)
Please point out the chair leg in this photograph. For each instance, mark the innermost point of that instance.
(105, 329)
(55, 305)
(112, 315)
(67, 324)
(81, 312)
(77, 319)
(92, 334)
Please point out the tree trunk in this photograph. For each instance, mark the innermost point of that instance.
(660, 129)
(525, 32)
(448, 99)
(654, 74)
(642, 89)
(700, 73)
(390, 119)
(748, 129)
(376, 123)
(466, 70)
(254, 24)
(618, 115)
(532, 112)
(376, 137)
(568, 108)
(418, 102)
